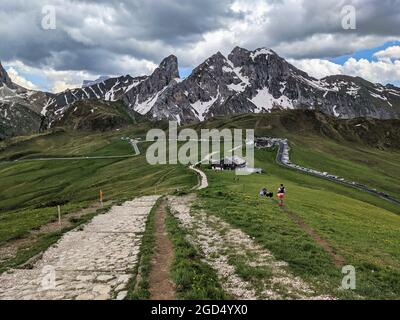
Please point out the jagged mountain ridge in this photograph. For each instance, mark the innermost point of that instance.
(88, 83)
(260, 80)
(19, 108)
(245, 81)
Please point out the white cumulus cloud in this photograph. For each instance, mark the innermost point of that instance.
(382, 71)
(20, 80)
(317, 68)
(391, 53)
(386, 69)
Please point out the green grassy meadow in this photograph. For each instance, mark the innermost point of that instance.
(31, 190)
(377, 168)
(320, 145)
(359, 227)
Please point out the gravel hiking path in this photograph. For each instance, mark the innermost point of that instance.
(160, 285)
(92, 263)
(203, 181)
(245, 269)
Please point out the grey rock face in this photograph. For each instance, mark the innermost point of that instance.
(245, 81)
(112, 89)
(19, 108)
(142, 97)
(260, 81)
(4, 78)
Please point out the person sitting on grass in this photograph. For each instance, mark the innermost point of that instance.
(264, 193)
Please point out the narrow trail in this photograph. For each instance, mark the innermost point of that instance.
(160, 285)
(229, 251)
(93, 263)
(337, 259)
(203, 181)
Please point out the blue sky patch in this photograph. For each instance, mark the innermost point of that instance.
(364, 54)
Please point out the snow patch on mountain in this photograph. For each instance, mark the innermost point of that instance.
(145, 106)
(377, 96)
(353, 90)
(335, 113)
(265, 101)
(260, 52)
(202, 107)
(319, 85)
(48, 103)
(238, 72)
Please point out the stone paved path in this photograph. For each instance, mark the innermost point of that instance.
(93, 263)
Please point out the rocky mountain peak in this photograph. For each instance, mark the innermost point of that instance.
(4, 78)
(168, 68)
(239, 50)
(218, 56)
(211, 65)
(392, 86)
(238, 56)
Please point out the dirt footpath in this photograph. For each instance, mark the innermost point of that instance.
(161, 286)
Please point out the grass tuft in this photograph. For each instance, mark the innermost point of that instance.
(195, 280)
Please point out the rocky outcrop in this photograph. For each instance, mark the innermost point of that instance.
(19, 108)
(4, 78)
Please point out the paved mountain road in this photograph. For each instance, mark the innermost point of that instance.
(355, 185)
(134, 143)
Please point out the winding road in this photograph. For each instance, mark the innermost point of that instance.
(283, 149)
(132, 142)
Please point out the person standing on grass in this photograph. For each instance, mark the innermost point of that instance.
(281, 195)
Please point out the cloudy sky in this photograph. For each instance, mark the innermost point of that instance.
(110, 37)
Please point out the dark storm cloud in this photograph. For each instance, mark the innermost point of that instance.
(308, 22)
(91, 34)
(113, 37)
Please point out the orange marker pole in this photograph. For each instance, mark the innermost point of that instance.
(101, 198)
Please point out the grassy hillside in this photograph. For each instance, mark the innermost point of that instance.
(380, 134)
(377, 168)
(364, 150)
(31, 190)
(360, 229)
(95, 115)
